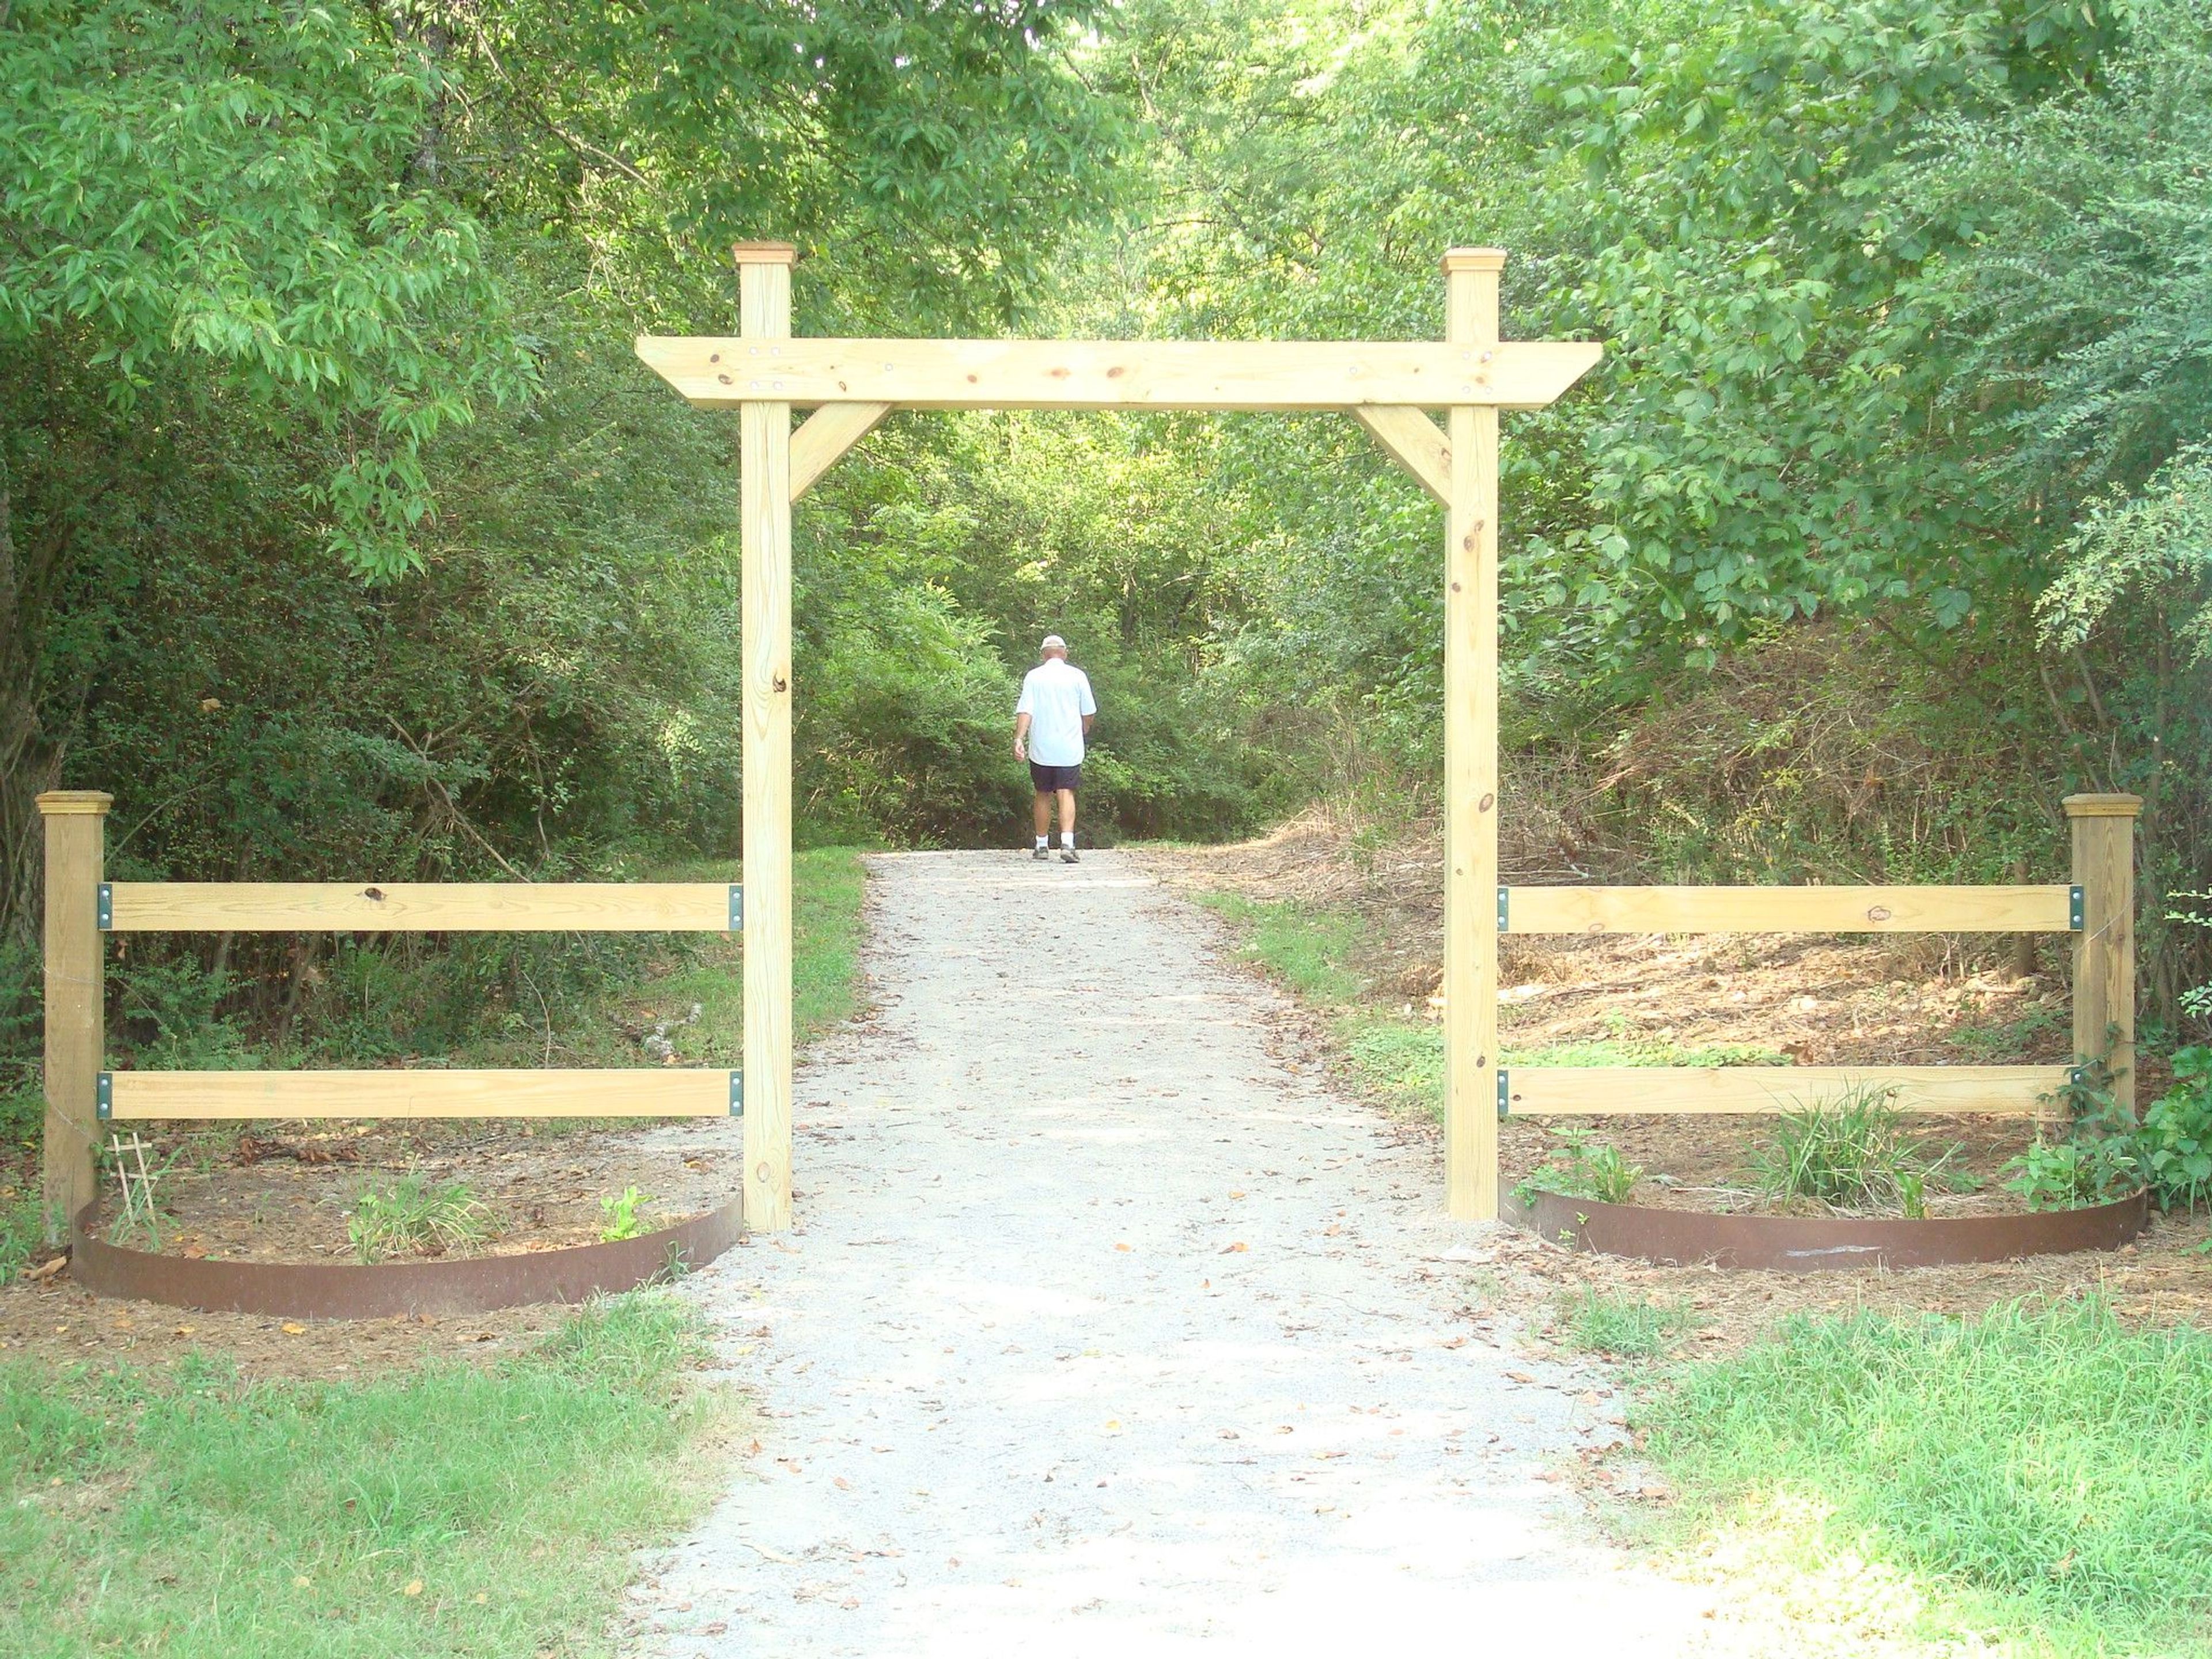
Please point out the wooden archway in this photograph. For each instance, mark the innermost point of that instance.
(1387, 387)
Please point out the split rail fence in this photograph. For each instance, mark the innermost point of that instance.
(2097, 907)
(82, 907)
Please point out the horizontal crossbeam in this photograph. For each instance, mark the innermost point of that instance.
(2040, 909)
(1622, 1090)
(422, 907)
(667, 1091)
(715, 372)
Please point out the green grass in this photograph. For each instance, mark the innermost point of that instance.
(20, 1232)
(202, 1517)
(1307, 947)
(1622, 1327)
(21, 1111)
(2039, 1478)
(2005, 1041)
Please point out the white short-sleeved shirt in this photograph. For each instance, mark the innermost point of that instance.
(1056, 695)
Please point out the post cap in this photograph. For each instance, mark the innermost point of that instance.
(1474, 258)
(56, 802)
(2104, 806)
(764, 253)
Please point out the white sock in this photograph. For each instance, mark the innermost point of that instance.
(1068, 838)
(1042, 840)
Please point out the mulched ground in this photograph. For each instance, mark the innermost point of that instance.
(279, 1192)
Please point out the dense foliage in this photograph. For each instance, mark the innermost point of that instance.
(340, 532)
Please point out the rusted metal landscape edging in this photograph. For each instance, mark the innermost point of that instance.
(1799, 1244)
(303, 1289)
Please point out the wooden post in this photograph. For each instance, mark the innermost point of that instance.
(1471, 751)
(765, 509)
(76, 836)
(2104, 949)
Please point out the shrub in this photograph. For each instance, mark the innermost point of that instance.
(2174, 1145)
(2065, 1174)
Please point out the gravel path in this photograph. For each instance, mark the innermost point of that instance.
(1106, 1331)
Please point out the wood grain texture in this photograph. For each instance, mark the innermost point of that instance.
(1415, 441)
(825, 435)
(715, 372)
(2104, 829)
(1623, 1090)
(764, 506)
(2044, 908)
(1471, 766)
(668, 1091)
(422, 907)
(75, 822)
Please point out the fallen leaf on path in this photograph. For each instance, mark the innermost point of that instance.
(1520, 1376)
(842, 1484)
(1120, 1247)
(1237, 1248)
(291, 1329)
(46, 1270)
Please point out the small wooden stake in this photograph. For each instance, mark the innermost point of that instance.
(1471, 755)
(2104, 949)
(76, 836)
(764, 511)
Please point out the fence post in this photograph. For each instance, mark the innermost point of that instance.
(77, 838)
(1471, 755)
(765, 512)
(2104, 949)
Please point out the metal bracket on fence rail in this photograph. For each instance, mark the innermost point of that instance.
(1503, 907)
(2074, 919)
(104, 1098)
(737, 907)
(737, 1094)
(1504, 1094)
(106, 914)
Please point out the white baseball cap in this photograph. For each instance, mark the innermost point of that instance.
(1053, 642)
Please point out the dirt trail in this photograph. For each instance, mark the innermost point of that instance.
(1105, 1331)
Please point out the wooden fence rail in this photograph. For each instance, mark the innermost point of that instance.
(422, 907)
(1625, 1091)
(668, 1091)
(2043, 909)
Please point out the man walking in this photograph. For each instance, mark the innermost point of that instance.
(1050, 722)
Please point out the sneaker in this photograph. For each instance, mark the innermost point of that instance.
(1040, 854)
(1067, 856)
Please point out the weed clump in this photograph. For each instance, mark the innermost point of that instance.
(1851, 1157)
(1582, 1168)
(416, 1216)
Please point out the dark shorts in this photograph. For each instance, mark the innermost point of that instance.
(1050, 778)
